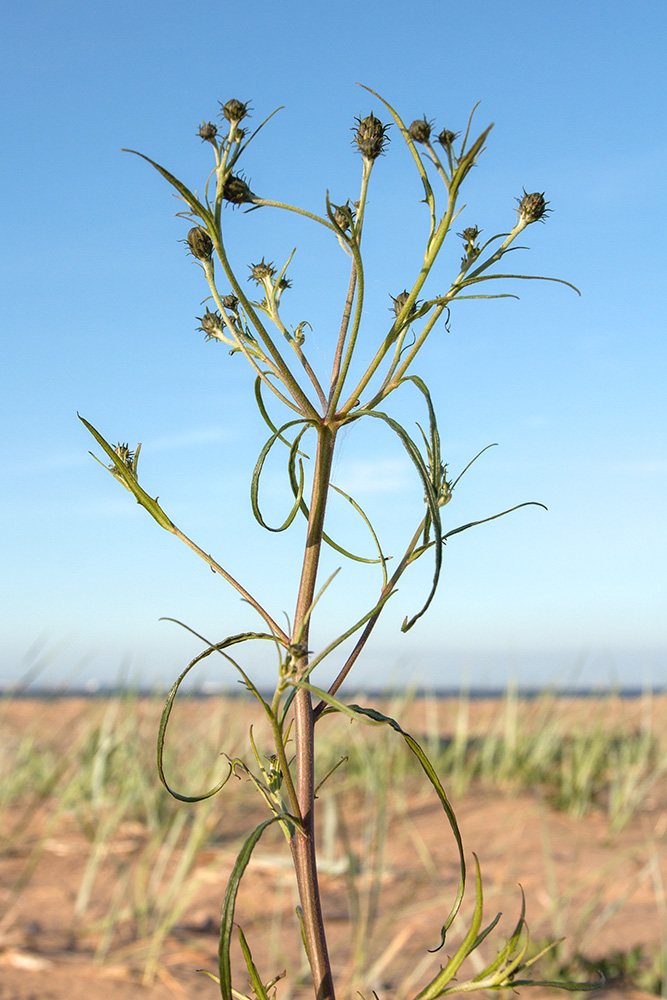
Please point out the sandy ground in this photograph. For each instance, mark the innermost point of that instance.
(604, 893)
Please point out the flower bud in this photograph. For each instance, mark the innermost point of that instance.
(235, 111)
(420, 130)
(211, 324)
(343, 215)
(208, 131)
(231, 303)
(129, 459)
(532, 207)
(236, 191)
(400, 300)
(469, 236)
(200, 243)
(446, 138)
(370, 136)
(260, 272)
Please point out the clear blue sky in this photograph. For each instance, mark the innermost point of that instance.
(99, 301)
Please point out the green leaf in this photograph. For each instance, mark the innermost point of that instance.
(473, 278)
(438, 985)
(255, 978)
(294, 451)
(129, 481)
(473, 524)
(265, 415)
(184, 192)
(429, 495)
(362, 514)
(229, 903)
(169, 704)
(373, 715)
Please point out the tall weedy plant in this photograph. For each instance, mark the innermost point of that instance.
(319, 405)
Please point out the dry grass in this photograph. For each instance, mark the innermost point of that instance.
(98, 863)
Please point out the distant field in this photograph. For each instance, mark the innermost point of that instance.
(109, 888)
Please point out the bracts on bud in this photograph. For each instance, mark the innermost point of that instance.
(420, 130)
(235, 111)
(212, 324)
(236, 191)
(532, 207)
(207, 131)
(200, 243)
(370, 137)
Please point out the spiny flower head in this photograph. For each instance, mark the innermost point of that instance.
(343, 215)
(400, 300)
(236, 191)
(129, 458)
(420, 130)
(446, 138)
(235, 111)
(231, 303)
(200, 243)
(259, 273)
(211, 324)
(207, 131)
(532, 207)
(370, 136)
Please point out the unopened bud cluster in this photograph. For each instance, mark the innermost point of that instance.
(469, 237)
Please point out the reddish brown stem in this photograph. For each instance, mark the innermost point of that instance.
(303, 841)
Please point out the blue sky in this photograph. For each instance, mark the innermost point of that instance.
(98, 312)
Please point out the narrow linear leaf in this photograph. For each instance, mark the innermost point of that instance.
(473, 524)
(169, 704)
(373, 715)
(263, 455)
(265, 415)
(438, 986)
(229, 903)
(429, 496)
(255, 978)
(306, 513)
(152, 506)
(184, 192)
(472, 280)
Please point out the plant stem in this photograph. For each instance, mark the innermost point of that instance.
(303, 841)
